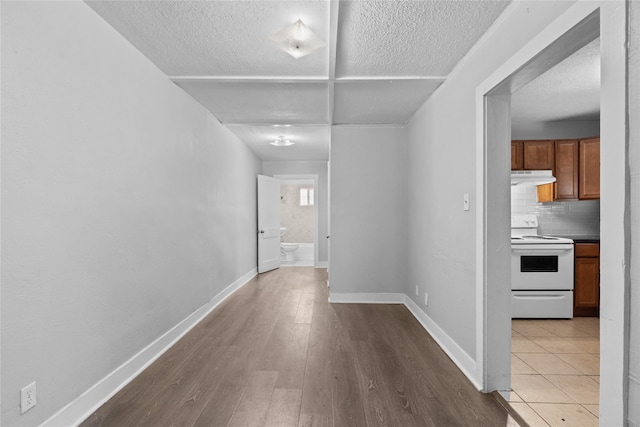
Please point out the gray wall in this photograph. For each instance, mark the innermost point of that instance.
(368, 210)
(125, 205)
(634, 164)
(554, 130)
(442, 167)
(309, 168)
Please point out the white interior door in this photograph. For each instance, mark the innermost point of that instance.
(268, 223)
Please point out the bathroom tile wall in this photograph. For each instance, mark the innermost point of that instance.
(574, 218)
(297, 219)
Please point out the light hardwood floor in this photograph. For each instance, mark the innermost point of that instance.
(276, 353)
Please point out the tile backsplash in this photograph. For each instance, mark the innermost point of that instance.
(566, 218)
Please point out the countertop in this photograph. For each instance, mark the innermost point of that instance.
(583, 238)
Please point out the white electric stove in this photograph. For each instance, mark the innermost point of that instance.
(541, 272)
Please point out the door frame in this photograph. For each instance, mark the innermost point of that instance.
(493, 332)
(305, 179)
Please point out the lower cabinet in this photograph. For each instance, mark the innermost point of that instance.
(586, 293)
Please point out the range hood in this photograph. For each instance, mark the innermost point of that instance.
(538, 177)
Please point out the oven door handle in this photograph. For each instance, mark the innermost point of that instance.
(547, 249)
(538, 296)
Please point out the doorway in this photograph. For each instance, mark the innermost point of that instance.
(299, 220)
(581, 24)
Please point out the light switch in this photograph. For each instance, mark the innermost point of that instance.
(465, 199)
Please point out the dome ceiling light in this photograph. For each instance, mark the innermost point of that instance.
(297, 40)
(281, 142)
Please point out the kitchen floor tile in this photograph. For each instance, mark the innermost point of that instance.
(562, 345)
(536, 388)
(565, 415)
(513, 397)
(525, 345)
(518, 366)
(547, 363)
(528, 328)
(594, 409)
(581, 388)
(565, 329)
(588, 364)
(529, 415)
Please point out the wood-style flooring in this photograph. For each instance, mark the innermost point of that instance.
(276, 353)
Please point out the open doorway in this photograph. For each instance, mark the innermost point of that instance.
(298, 220)
(575, 29)
(555, 135)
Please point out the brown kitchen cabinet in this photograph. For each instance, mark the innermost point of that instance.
(586, 292)
(517, 155)
(532, 155)
(589, 168)
(566, 169)
(538, 155)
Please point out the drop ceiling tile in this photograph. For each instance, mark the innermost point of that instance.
(219, 38)
(262, 102)
(380, 102)
(409, 38)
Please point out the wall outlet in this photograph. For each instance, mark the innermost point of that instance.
(465, 202)
(426, 299)
(28, 397)
(417, 291)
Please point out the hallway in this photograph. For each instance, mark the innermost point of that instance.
(276, 353)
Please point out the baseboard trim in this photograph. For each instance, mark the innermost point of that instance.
(83, 406)
(322, 264)
(366, 298)
(460, 357)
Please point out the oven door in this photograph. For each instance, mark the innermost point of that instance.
(542, 304)
(542, 266)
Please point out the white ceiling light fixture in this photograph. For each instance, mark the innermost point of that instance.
(297, 40)
(281, 142)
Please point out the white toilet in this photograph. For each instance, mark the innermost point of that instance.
(286, 249)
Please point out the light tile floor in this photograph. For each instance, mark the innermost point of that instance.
(555, 371)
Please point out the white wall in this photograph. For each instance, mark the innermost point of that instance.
(442, 167)
(125, 205)
(309, 168)
(368, 210)
(634, 164)
(555, 130)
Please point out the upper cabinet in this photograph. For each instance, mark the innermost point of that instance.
(538, 155)
(589, 168)
(566, 170)
(517, 155)
(575, 164)
(532, 155)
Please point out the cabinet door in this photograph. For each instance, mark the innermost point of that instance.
(517, 159)
(538, 155)
(587, 287)
(589, 182)
(566, 170)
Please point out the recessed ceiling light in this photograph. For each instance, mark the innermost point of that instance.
(297, 40)
(281, 142)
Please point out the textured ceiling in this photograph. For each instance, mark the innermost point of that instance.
(409, 38)
(383, 59)
(568, 91)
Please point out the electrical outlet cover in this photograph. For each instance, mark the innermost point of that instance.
(426, 299)
(27, 397)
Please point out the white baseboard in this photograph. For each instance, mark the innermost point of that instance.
(366, 298)
(83, 406)
(322, 264)
(460, 357)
